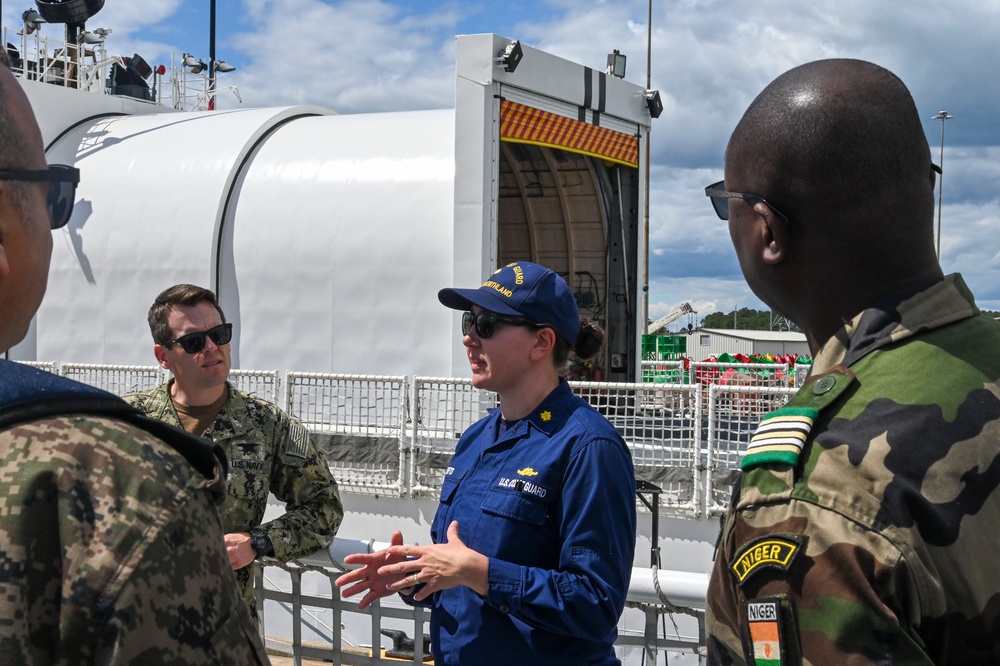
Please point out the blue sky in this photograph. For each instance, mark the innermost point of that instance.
(710, 58)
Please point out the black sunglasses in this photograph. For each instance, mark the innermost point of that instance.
(486, 323)
(193, 343)
(720, 201)
(62, 181)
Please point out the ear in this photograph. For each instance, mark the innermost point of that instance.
(160, 352)
(545, 342)
(774, 237)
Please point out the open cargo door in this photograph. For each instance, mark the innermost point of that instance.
(562, 186)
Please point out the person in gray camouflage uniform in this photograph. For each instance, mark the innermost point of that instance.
(110, 541)
(267, 450)
(865, 526)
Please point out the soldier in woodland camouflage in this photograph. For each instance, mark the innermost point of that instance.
(267, 450)
(111, 546)
(864, 528)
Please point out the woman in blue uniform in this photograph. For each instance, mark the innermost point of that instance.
(535, 531)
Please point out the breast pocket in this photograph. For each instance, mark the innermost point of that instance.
(249, 472)
(518, 520)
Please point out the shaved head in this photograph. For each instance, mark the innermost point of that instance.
(836, 146)
(837, 133)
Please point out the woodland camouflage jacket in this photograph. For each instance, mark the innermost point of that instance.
(866, 528)
(268, 452)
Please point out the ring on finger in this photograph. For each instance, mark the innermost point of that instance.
(415, 578)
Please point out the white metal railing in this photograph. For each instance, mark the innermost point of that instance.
(651, 592)
(664, 372)
(359, 421)
(265, 384)
(118, 379)
(87, 66)
(686, 439)
(733, 414)
(385, 435)
(442, 410)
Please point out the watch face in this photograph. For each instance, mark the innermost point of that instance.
(260, 542)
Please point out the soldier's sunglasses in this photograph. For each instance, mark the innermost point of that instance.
(193, 343)
(720, 200)
(486, 323)
(62, 181)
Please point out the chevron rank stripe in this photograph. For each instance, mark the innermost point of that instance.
(780, 436)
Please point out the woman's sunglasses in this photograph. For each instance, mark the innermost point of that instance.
(62, 181)
(486, 323)
(193, 343)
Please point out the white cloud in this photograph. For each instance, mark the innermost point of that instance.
(710, 58)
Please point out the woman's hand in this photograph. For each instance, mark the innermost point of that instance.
(368, 579)
(439, 566)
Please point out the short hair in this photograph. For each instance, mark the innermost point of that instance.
(12, 145)
(179, 294)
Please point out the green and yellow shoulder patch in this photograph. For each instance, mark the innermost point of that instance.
(774, 551)
(780, 436)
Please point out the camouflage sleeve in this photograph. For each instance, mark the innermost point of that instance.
(798, 581)
(113, 552)
(300, 477)
(181, 603)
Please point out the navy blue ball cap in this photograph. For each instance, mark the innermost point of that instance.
(523, 289)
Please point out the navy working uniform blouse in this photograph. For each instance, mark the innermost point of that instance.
(551, 502)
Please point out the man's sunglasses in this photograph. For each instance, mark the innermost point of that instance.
(486, 323)
(193, 343)
(720, 200)
(62, 181)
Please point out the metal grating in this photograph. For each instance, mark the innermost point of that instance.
(443, 409)
(263, 384)
(359, 422)
(121, 380)
(733, 414)
(659, 422)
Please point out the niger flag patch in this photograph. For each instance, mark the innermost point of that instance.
(764, 633)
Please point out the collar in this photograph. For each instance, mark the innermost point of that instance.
(234, 411)
(919, 308)
(546, 417)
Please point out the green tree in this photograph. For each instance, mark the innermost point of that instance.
(747, 319)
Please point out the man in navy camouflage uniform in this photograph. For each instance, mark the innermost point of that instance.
(865, 526)
(267, 450)
(111, 546)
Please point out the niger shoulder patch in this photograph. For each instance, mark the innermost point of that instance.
(773, 551)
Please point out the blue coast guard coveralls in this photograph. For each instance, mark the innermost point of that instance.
(552, 504)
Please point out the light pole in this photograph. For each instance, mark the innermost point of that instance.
(942, 116)
(645, 208)
(211, 56)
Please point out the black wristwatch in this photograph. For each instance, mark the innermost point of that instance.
(260, 541)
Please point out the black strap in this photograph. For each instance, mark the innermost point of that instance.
(28, 394)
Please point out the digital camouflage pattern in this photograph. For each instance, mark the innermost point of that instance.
(268, 452)
(881, 543)
(111, 552)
